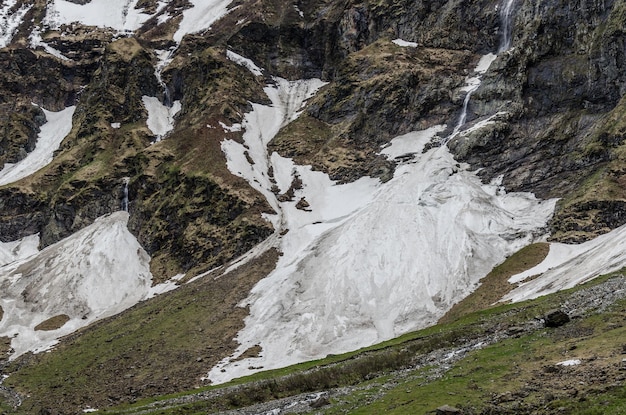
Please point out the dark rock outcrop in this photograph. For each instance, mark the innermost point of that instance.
(556, 318)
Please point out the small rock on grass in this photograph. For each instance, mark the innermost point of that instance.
(556, 318)
(448, 410)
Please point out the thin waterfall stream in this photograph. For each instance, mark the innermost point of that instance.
(165, 57)
(125, 180)
(506, 15)
(472, 84)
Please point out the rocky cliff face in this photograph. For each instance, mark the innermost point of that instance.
(560, 84)
(562, 89)
(551, 109)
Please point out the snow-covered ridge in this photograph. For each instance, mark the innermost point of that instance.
(97, 272)
(366, 261)
(52, 133)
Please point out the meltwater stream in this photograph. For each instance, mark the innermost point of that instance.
(126, 180)
(506, 20)
(472, 84)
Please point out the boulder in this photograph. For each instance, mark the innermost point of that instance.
(448, 410)
(556, 318)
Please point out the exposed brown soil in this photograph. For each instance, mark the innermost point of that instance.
(53, 323)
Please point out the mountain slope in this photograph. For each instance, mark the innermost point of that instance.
(391, 153)
(500, 361)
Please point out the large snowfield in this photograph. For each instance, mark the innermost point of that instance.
(367, 261)
(361, 262)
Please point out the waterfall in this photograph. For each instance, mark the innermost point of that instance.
(472, 84)
(165, 57)
(463, 116)
(506, 25)
(125, 194)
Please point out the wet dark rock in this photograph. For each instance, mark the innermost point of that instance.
(320, 402)
(448, 410)
(556, 318)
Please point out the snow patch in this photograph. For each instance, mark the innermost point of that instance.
(366, 261)
(97, 272)
(231, 129)
(166, 286)
(404, 43)
(485, 62)
(240, 60)
(569, 265)
(572, 362)
(201, 16)
(36, 41)
(120, 15)
(9, 22)
(297, 9)
(411, 143)
(481, 124)
(52, 133)
(160, 117)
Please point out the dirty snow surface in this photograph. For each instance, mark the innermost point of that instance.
(569, 265)
(20, 249)
(52, 133)
(364, 262)
(97, 272)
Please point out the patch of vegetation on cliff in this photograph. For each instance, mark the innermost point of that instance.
(598, 204)
(378, 93)
(191, 224)
(18, 132)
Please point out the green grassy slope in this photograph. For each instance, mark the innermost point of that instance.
(496, 361)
